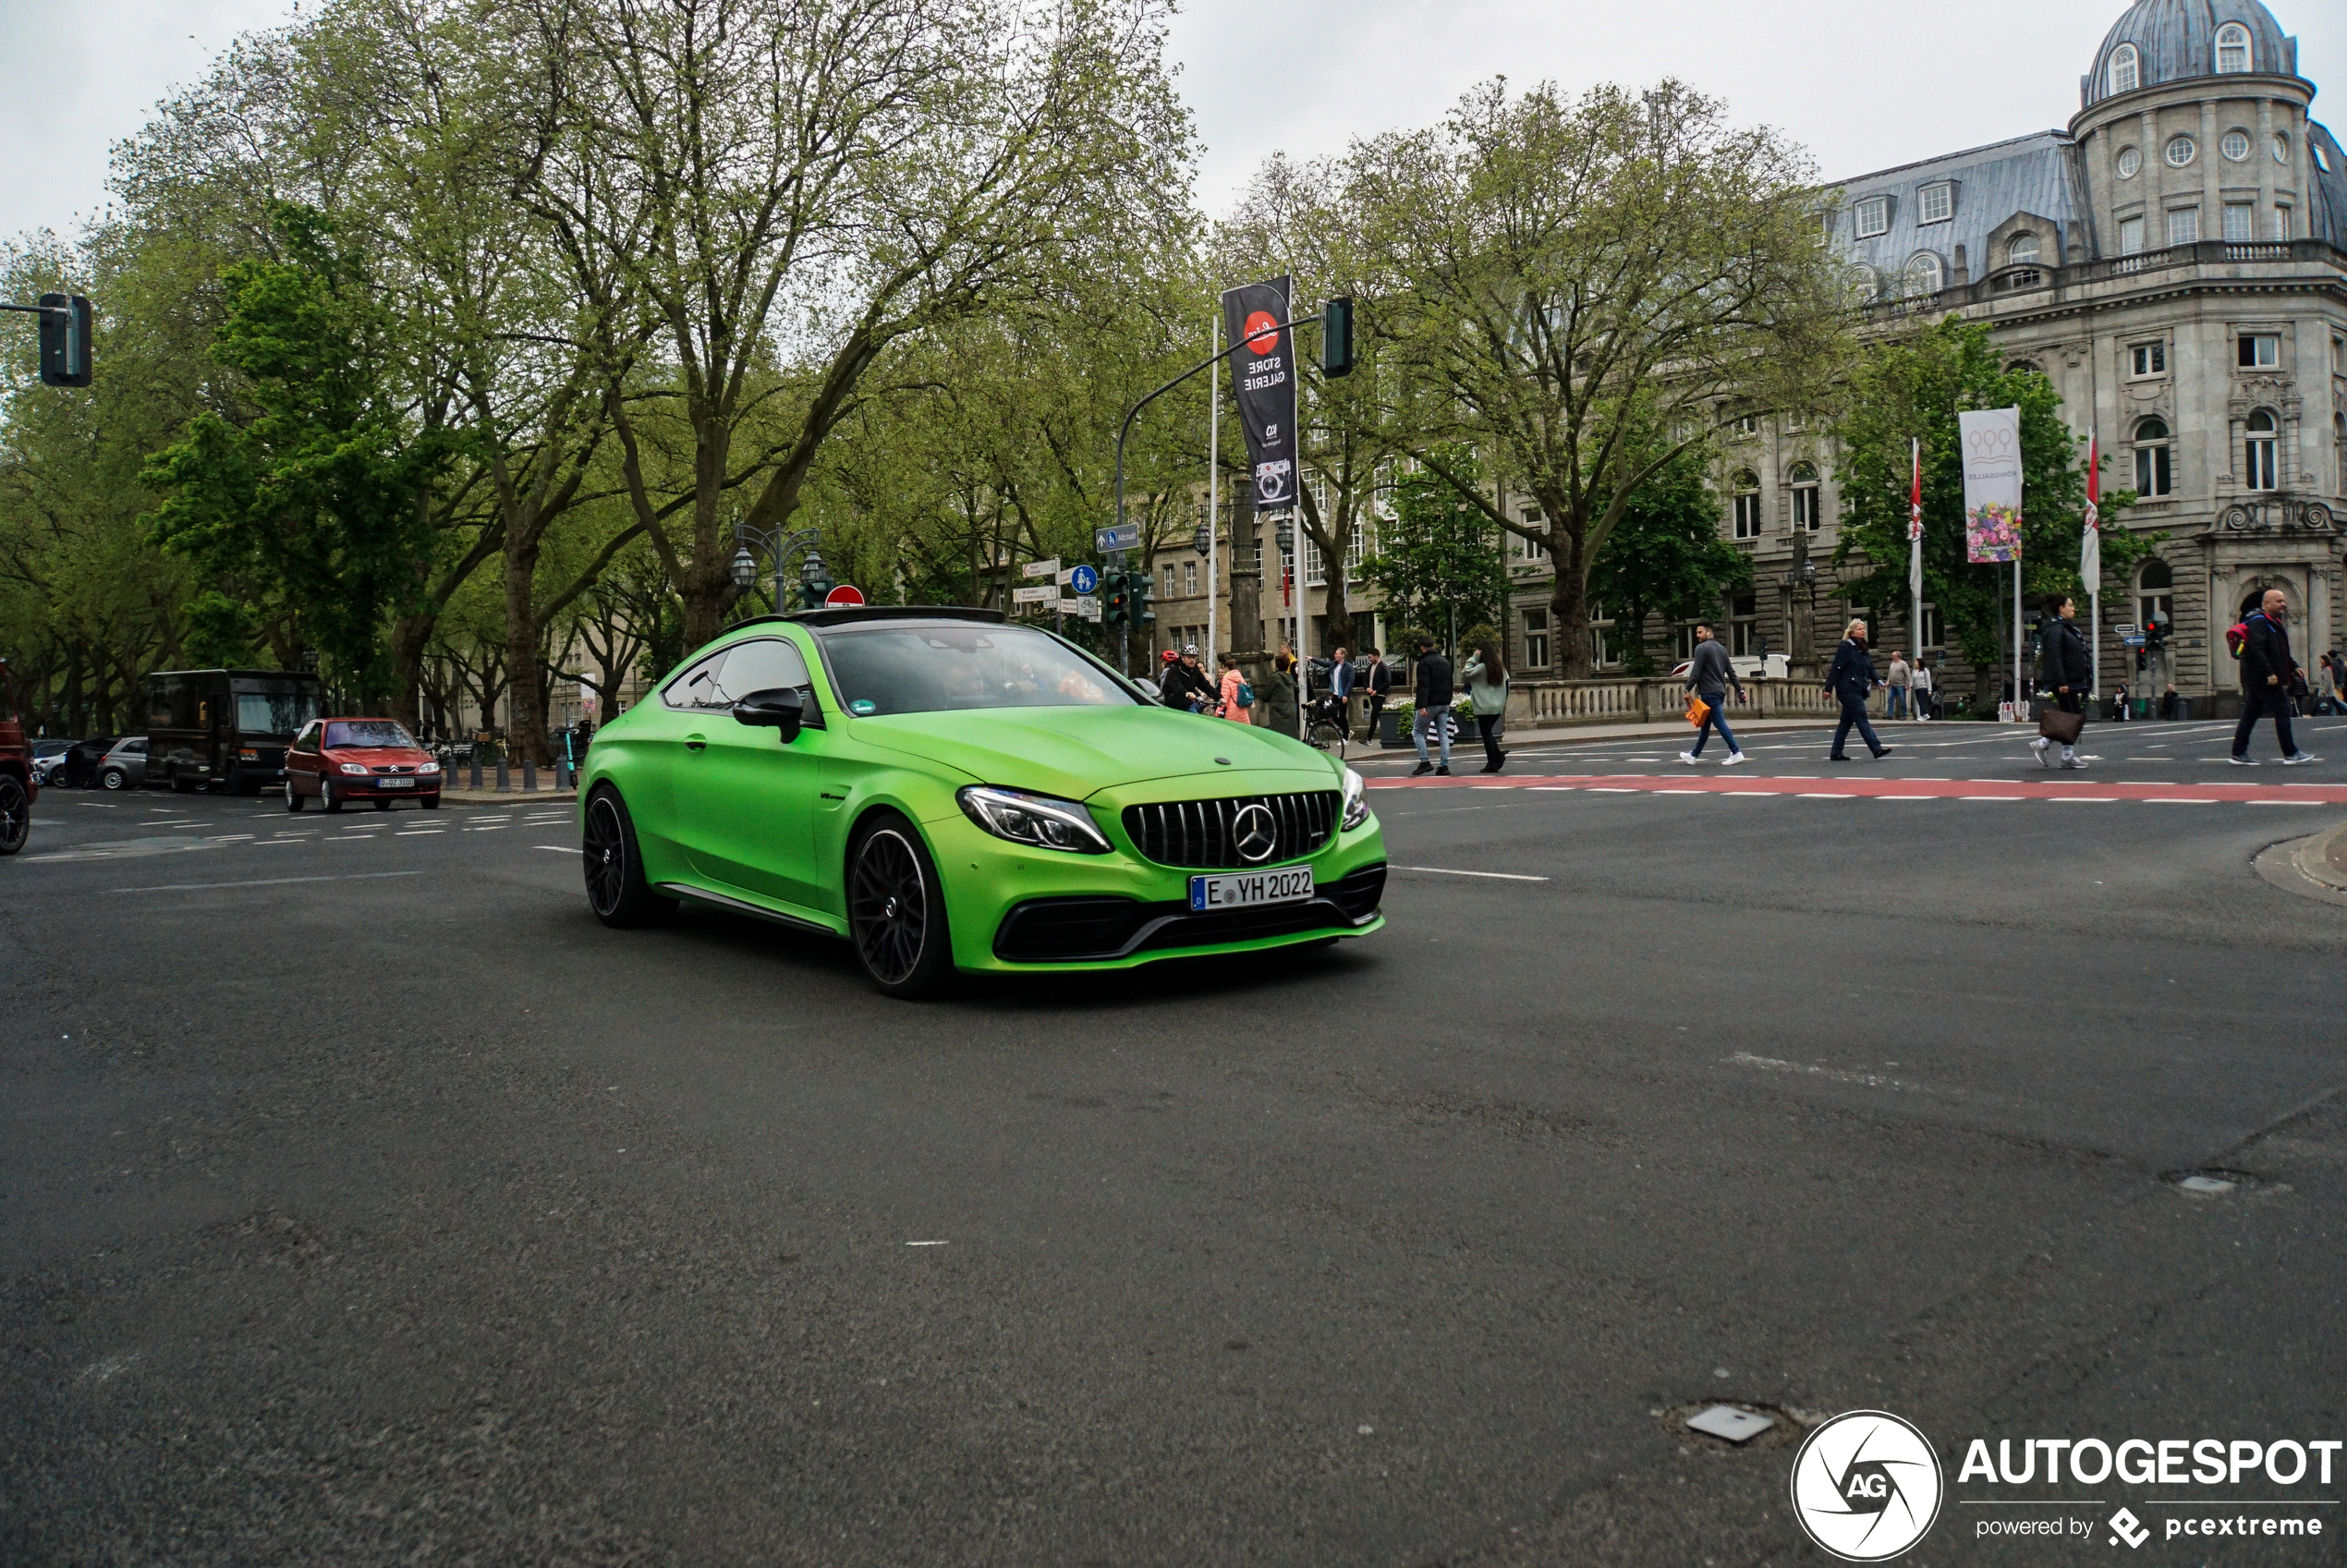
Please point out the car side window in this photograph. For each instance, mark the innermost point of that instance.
(731, 673)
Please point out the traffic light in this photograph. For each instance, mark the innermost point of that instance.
(65, 340)
(2155, 631)
(1336, 337)
(1119, 607)
(1142, 615)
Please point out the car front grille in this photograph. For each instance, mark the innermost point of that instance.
(1070, 930)
(1203, 834)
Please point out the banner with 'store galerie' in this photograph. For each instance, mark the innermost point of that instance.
(1992, 483)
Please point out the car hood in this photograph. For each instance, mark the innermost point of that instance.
(375, 756)
(1076, 752)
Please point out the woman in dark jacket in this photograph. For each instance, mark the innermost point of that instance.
(2064, 667)
(1850, 679)
(1275, 698)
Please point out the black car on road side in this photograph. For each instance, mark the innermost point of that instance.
(226, 727)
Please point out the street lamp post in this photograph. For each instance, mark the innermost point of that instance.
(779, 546)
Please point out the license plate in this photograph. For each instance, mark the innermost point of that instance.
(394, 783)
(1246, 889)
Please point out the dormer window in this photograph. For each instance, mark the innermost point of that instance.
(2022, 251)
(1924, 274)
(1935, 203)
(1873, 216)
(2232, 48)
(2124, 72)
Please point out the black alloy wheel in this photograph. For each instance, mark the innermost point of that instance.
(895, 913)
(16, 814)
(615, 887)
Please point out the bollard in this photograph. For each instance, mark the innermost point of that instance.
(504, 781)
(530, 775)
(476, 770)
(563, 779)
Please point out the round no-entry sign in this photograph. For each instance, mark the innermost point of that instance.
(845, 593)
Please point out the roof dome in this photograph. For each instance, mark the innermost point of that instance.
(2174, 40)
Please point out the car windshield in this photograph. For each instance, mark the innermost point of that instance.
(281, 713)
(365, 732)
(929, 669)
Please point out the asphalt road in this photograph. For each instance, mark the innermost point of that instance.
(362, 1200)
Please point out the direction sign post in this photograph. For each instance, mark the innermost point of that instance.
(1046, 593)
(1118, 539)
(1041, 568)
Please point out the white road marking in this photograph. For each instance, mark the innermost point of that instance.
(419, 833)
(2174, 800)
(907, 1244)
(1447, 871)
(558, 848)
(2281, 803)
(1992, 797)
(264, 881)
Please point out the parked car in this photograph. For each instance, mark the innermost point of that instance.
(949, 792)
(83, 758)
(226, 727)
(335, 761)
(49, 761)
(18, 788)
(124, 766)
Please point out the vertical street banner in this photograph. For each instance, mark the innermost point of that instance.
(1992, 483)
(2090, 541)
(1263, 381)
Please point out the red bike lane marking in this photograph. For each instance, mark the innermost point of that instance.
(1951, 789)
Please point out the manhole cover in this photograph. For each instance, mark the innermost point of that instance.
(1727, 1421)
(1740, 1426)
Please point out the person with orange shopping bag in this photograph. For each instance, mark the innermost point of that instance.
(1708, 677)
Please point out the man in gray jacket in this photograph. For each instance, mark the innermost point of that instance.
(1709, 678)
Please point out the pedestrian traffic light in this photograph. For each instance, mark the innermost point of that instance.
(1336, 337)
(65, 340)
(2143, 659)
(1141, 612)
(1119, 607)
(2155, 631)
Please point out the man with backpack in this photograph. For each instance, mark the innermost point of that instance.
(2267, 673)
(1434, 696)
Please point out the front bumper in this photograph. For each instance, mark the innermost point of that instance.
(353, 788)
(1018, 909)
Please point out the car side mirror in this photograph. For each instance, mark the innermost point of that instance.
(781, 708)
(1150, 688)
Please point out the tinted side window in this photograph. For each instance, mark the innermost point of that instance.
(731, 673)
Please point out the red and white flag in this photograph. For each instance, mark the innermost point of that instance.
(2090, 543)
(1914, 522)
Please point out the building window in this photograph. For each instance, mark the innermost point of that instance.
(1743, 624)
(2022, 251)
(1600, 624)
(2180, 151)
(2154, 590)
(2236, 146)
(2232, 48)
(1536, 639)
(2260, 351)
(1923, 273)
(2131, 162)
(2260, 451)
(1747, 425)
(1935, 203)
(2183, 225)
(2124, 73)
(2153, 474)
(1935, 631)
(1872, 216)
(2282, 222)
(1189, 580)
(1747, 503)
(2131, 236)
(2241, 220)
(2322, 159)
(1168, 594)
(2148, 358)
(2281, 148)
(1804, 498)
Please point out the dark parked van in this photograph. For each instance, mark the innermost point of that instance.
(226, 727)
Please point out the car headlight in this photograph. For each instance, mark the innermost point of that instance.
(358, 768)
(1356, 800)
(427, 767)
(1037, 819)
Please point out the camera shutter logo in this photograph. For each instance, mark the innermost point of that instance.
(1866, 1486)
(1257, 833)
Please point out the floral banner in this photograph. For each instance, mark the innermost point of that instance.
(1992, 483)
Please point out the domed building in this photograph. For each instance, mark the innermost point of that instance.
(2175, 258)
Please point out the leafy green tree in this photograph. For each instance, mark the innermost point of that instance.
(1439, 563)
(1664, 554)
(320, 494)
(1911, 387)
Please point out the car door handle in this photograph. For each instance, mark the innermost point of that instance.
(695, 742)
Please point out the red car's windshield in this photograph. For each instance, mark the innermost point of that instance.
(367, 732)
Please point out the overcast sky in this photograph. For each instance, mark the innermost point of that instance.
(1862, 85)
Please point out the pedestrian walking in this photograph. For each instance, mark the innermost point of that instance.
(1919, 690)
(1237, 697)
(1710, 677)
(1850, 679)
(1341, 680)
(1900, 677)
(2335, 682)
(1487, 681)
(1434, 694)
(1379, 683)
(2119, 702)
(2268, 671)
(2064, 667)
(1275, 699)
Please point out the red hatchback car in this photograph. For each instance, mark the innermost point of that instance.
(333, 760)
(18, 788)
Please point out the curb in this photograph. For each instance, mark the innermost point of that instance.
(2312, 868)
(511, 797)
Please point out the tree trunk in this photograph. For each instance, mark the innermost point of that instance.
(409, 636)
(526, 733)
(1569, 608)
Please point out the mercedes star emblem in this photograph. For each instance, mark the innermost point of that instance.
(1257, 833)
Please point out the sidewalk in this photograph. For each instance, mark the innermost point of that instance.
(1524, 740)
(515, 796)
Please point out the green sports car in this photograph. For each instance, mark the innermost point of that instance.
(950, 792)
